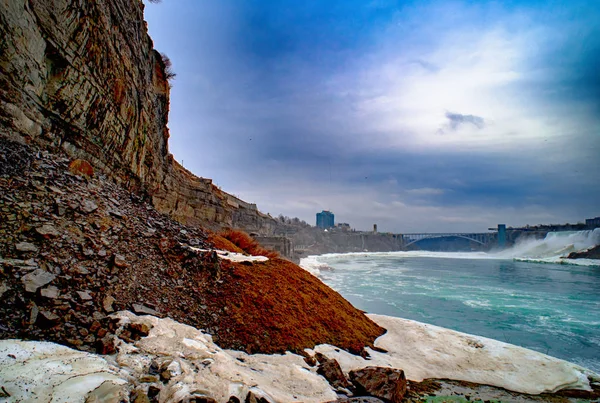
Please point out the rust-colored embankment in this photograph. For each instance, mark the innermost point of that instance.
(275, 306)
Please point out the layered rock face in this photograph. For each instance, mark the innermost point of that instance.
(84, 76)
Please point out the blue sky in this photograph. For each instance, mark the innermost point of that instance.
(415, 115)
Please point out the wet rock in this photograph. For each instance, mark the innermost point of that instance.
(50, 292)
(88, 206)
(36, 279)
(25, 247)
(330, 369)
(47, 231)
(81, 167)
(388, 384)
(107, 303)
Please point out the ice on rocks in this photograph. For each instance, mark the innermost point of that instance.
(44, 372)
(205, 368)
(427, 351)
(191, 364)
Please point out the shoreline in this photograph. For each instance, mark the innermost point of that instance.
(195, 364)
(314, 266)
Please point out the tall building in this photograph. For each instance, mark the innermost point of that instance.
(593, 222)
(325, 219)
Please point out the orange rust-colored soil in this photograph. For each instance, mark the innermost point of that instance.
(276, 306)
(221, 243)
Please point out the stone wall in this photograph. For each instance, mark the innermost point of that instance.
(84, 76)
(280, 244)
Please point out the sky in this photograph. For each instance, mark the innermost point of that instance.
(417, 116)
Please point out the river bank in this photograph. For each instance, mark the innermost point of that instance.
(188, 364)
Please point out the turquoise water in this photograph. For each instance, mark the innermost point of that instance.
(551, 308)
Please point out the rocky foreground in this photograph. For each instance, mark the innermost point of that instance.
(75, 247)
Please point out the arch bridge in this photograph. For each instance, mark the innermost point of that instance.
(480, 238)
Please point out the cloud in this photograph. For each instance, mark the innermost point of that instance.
(338, 105)
(456, 120)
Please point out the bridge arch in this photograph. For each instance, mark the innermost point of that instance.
(438, 236)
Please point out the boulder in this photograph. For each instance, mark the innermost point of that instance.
(330, 369)
(36, 279)
(388, 384)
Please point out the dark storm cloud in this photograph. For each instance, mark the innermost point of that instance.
(268, 94)
(457, 120)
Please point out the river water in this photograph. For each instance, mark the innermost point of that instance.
(527, 295)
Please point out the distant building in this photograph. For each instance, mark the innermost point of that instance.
(374, 228)
(344, 226)
(592, 222)
(325, 219)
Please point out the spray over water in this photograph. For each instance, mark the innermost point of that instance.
(554, 248)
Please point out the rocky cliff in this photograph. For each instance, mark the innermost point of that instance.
(84, 76)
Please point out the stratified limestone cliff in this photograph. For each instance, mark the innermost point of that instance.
(83, 75)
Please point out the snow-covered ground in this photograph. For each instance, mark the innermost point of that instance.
(427, 351)
(41, 371)
(48, 372)
(232, 256)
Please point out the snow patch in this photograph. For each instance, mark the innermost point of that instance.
(45, 372)
(233, 256)
(205, 368)
(427, 351)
